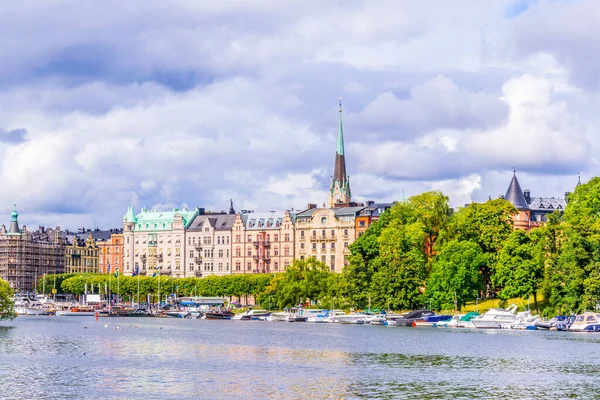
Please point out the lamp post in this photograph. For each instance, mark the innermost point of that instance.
(138, 275)
(160, 260)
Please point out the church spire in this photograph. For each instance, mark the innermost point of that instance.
(340, 184)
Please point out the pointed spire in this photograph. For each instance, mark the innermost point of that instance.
(340, 140)
(130, 217)
(578, 179)
(231, 209)
(515, 195)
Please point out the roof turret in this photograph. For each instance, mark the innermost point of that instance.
(130, 216)
(515, 195)
(14, 222)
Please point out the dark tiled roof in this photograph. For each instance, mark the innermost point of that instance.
(548, 204)
(514, 194)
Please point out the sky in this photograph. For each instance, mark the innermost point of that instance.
(192, 103)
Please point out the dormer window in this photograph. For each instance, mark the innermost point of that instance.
(323, 220)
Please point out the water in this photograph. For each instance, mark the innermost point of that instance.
(148, 358)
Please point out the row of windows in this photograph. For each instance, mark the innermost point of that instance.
(323, 233)
(238, 265)
(286, 251)
(109, 260)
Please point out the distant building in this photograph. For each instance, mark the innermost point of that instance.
(81, 256)
(110, 245)
(262, 242)
(370, 214)
(208, 243)
(155, 239)
(26, 256)
(325, 234)
(532, 211)
(339, 189)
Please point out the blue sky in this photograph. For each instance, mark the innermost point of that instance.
(192, 103)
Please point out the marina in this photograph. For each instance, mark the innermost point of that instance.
(158, 358)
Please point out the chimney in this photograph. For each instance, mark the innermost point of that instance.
(201, 210)
(312, 206)
(370, 203)
(527, 195)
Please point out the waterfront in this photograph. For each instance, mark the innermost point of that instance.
(78, 357)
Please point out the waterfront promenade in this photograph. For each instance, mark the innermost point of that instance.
(127, 358)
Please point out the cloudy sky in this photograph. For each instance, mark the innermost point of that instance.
(191, 103)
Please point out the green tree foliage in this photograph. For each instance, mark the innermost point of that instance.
(455, 275)
(7, 302)
(488, 225)
(520, 267)
(304, 280)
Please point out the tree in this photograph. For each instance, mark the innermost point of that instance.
(488, 224)
(7, 302)
(455, 275)
(520, 267)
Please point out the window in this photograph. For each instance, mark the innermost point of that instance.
(345, 232)
(191, 266)
(323, 220)
(276, 237)
(275, 265)
(191, 253)
(276, 251)
(220, 266)
(361, 223)
(221, 254)
(302, 246)
(249, 238)
(332, 262)
(249, 252)
(237, 265)
(323, 247)
(301, 257)
(178, 252)
(177, 265)
(323, 259)
(314, 246)
(287, 237)
(238, 238)
(314, 234)
(286, 251)
(238, 252)
(268, 238)
(333, 246)
(227, 239)
(249, 266)
(301, 234)
(345, 245)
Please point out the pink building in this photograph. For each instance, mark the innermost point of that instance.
(262, 242)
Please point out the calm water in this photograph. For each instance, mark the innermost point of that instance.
(147, 358)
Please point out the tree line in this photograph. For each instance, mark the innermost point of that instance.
(421, 253)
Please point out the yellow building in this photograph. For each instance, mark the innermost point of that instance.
(82, 256)
(325, 234)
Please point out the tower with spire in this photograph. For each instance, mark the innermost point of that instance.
(339, 190)
(14, 222)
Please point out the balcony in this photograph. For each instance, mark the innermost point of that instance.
(263, 257)
(322, 238)
(198, 247)
(264, 243)
(198, 260)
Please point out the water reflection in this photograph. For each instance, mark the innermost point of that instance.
(73, 358)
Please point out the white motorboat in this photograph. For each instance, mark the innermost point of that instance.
(356, 319)
(378, 319)
(253, 315)
(326, 316)
(28, 306)
(495, 317)
(286, 315)
(586, 322)
(524, 321)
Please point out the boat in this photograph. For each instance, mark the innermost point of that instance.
(558, 323)
(31, 307)
(495, 317)
(252, 315)
(586, 322)
(524, 321)
(377, 319)
(218, 315)
(408, 318)
(290, 315)
(78, 311)
(431, 320)
(356, 318)
(300, 316)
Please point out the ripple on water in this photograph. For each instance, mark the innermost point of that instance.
(152, 359)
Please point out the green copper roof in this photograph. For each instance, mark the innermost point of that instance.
(161, 220)
(130, 216)
(340, 141)
(15, 215)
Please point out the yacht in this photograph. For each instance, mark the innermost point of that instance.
(31, 306)
(378, 319)
(253, 315)
(326, 316)
(586, 322)
(408, 318)
(78, 311)
(495, 317)
(524, 321)
(558, 323)
(357, 319)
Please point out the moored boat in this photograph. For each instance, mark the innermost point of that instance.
(558, 323)
(252, 315)
(78, 311)
(218, 315)
(412, 316)
(431, 320)
(495, 317)
(586, 322)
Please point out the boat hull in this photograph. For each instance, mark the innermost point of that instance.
(219, 315)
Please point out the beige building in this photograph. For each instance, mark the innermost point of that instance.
(156, 239)
(208, 244)
(262, 242)
(325, 234)
(82, 256)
